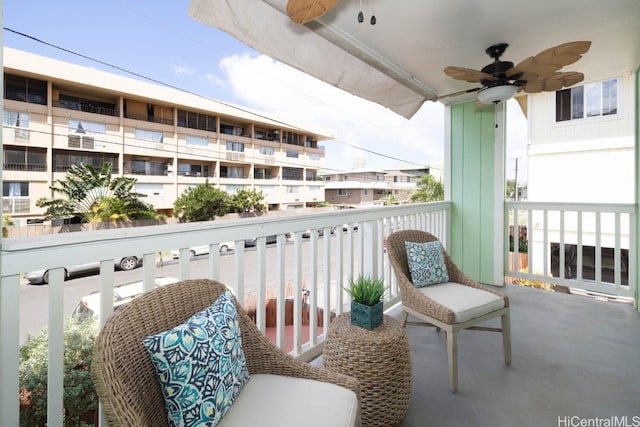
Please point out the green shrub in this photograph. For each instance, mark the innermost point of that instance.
(80, 399)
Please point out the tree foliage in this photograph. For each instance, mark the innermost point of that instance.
(96, 196)
(248, 200)
(6, 223)
(80, 399)
(201, 203)
(428, 190)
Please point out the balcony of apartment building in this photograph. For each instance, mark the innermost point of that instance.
(557, 337)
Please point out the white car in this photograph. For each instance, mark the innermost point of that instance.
(42, 276)
(89, 305)
(204, 249)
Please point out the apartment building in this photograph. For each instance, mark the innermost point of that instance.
(365, 187)
(58, 114)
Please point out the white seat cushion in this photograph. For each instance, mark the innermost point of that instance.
(466, 302)
(279, 401)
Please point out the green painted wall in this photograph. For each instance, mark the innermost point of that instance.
(472, 190)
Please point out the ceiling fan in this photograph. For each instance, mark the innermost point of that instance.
(500, 80)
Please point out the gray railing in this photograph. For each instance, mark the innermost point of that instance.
(586, 247)
(317, 269)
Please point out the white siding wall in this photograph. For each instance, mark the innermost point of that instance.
(589, 160)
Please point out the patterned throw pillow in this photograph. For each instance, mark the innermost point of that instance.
(426, 263)
(200, 364)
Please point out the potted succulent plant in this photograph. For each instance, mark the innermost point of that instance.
(366, 304)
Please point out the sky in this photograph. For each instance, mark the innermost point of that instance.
(158, 40)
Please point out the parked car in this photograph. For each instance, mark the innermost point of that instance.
(204, 249)
(307, 233)
(270, 239)
(89, 305)
(42, 276)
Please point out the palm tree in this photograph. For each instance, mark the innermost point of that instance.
(96, 196)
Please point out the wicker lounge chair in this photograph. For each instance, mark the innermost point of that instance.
(459, 304)
(125, 378)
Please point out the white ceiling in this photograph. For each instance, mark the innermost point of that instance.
(414, 40)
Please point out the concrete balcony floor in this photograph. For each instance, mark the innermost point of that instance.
(573, 356)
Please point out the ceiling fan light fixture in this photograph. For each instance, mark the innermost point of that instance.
(496, 94)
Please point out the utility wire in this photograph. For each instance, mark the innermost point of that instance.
(124, 70)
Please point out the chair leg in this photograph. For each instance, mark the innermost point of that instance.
(452, 350)
(403, 318)
(506, 338)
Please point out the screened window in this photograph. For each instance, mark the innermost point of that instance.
(591, 100)
(24, 158)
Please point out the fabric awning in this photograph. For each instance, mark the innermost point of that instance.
(267, 29)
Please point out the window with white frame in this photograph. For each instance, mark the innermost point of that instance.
(343, 192)
(200, 141)
(17, 119)
(82, 133)
(591, 100)
(15, 189)
(149, 135)
(292, 189)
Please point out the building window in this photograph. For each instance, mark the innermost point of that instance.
(293, 154)
(189, 119)
(63, 159)
(82, 133)
(15, 189)
(310, 175)
(16, 119)
(87, 105)
(292, 189)
(231, 172)
(366, 192)
(186, 169)
(235, 146)
(343, 192)
(295, 174)
(149, 135)
(15, 197)
(259, 173)
(24, 89)
(200, 141)
(233, 189)
(291, 138)
(314, 156)
(267, 151)
(231, 129)
(591, 100)
(144, 167)
(24, 158)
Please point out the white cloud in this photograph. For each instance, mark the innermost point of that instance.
(260, 82)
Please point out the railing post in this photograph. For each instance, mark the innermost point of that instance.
(370, 249)
(9, 353)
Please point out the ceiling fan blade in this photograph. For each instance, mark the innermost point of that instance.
(550, 60)
(553, 82)
(467, 74)
(303, 11)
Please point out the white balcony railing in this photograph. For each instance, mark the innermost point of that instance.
(586, 247)
(317, 269)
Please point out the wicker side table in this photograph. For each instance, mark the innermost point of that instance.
(380, 360)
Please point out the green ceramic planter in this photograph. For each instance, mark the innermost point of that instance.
(365, 316)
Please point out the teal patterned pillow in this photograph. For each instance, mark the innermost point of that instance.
(200, 364)
(426, 263)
